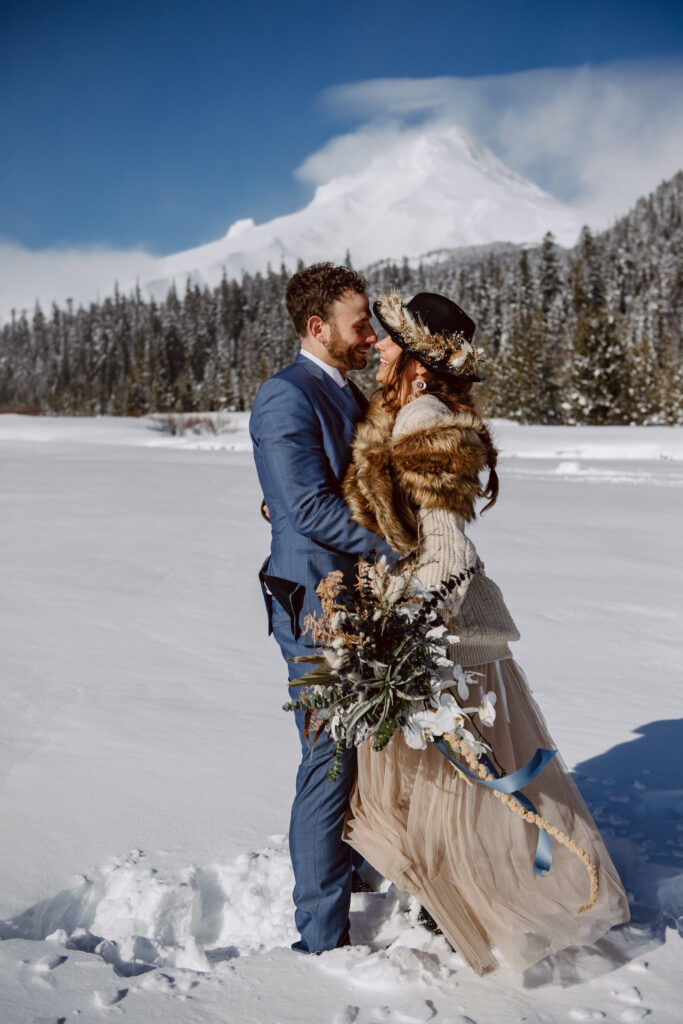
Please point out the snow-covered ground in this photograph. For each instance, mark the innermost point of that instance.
(614, 444)
(146, 768)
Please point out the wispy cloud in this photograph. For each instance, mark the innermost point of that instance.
(60, 274)
(596, 137)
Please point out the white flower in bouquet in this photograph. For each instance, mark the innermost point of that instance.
(423, 726)
(448, 701)
(474, 746)
(362, 731)
(487, 709)
(334, 658)
(337, 619)
(409, 610)
(464, 679)
(335, 726)
(462, 682)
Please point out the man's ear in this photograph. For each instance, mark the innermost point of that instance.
(316, 327)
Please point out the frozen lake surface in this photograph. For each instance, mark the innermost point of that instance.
(146, 767)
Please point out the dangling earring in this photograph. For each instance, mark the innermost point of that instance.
(418, 385)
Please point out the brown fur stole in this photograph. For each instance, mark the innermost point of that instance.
(389, 479)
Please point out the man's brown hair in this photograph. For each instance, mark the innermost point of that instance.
(312, 291)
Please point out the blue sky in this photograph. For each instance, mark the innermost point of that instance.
(159, 124)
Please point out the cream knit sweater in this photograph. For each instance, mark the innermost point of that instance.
(479, 615)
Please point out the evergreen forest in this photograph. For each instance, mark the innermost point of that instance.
(590, 335)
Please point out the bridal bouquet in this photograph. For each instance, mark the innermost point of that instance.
(383, 665)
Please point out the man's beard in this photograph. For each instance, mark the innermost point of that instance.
(342, 352)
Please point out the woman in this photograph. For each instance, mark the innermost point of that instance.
(415, 479)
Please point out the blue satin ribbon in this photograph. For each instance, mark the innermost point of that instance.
(512, 784)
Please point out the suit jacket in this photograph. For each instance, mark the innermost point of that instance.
(301, 428)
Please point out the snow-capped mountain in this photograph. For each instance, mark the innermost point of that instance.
(429, 188)
(417, 191)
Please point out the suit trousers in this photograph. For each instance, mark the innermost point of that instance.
(323, 863)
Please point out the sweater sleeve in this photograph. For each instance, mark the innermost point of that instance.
(445, 551)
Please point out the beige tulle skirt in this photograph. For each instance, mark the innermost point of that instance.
(468, 858)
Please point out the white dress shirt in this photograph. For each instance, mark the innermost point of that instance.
(332, 371)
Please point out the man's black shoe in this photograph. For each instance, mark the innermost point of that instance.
(427, 921)
(361, 886)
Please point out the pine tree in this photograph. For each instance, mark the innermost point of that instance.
(589, 258)
(599, 378)
(525, 293)
(644, 390)
(549, 275)
(670, 384)
(526, 369)
(184, 390)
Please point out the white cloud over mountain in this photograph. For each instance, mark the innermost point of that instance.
(594, 137)
(434, 163)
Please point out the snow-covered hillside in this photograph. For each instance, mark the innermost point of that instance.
(431, 188)
(147, 769)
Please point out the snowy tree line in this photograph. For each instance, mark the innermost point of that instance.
(588, 335)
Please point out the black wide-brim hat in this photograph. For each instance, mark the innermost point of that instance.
(434, 330)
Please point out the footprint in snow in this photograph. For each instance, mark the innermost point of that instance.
(416, 1013)
(49, 963)
(41, 970)
(105, 1000)
(635, 1011)
(463, 1020)
(411, 1013)
(640, 966)
(581, 1013)
(346, 1016)
(627, 995)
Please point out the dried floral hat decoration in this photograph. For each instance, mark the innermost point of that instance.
(435, 331)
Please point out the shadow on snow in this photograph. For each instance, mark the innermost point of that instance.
(635, 793)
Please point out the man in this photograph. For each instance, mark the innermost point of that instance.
(301, 429)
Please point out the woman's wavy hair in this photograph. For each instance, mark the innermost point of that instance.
(457, 395)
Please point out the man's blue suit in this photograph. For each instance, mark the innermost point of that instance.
(301, 429)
